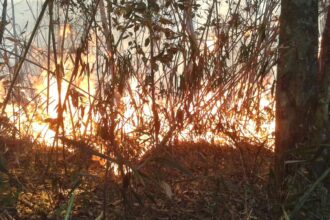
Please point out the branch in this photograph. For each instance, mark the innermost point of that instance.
(3, 20)
(20, 64)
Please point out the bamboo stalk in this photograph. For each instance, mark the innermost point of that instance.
(3, 20)
(20, 64)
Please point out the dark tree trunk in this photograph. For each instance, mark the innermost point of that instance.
(296, 79)
(323, 98)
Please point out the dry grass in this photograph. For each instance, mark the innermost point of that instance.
(182, 181)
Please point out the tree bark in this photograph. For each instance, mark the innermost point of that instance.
(296, 79)
(323, 98)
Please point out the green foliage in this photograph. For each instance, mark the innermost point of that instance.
(69, 208)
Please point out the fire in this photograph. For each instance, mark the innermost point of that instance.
(37, 117)
(65, 30)
(36, 120)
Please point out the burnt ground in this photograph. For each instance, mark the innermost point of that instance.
(183, 181)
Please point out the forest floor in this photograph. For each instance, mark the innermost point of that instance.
(183, 181)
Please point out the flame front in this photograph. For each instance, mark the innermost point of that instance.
(210, 116)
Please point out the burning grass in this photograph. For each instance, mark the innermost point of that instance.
(128, 109)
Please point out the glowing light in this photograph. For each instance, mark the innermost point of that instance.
(39, 118)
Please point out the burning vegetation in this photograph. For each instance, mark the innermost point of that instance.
(144, 78)
(139, 109)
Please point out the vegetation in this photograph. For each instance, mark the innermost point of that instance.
(115, 109)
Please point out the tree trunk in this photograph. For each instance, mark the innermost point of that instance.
(322, 108)
(296, 79)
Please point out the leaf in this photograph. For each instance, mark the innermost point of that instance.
(128, 11)
(147, 42)
(169, 34)
(294, 161)
(181, 6)
(52, 123)
(167, 189)
(69, 209)
(168, 3)
(285, 214)
(75, 96)
(136, 27)
(154, 66)
(153, 5)
(100, 217)
(140, 7)
(165, 21)
(172, 50)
